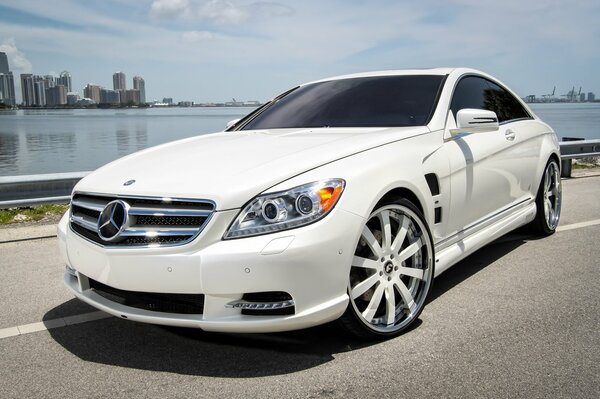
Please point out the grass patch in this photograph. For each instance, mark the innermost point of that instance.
(584, 166)
(31, 214)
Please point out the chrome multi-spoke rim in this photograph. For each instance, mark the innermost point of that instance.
(391, 270)
(552, 195)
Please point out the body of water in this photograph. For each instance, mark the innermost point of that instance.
(50, 141)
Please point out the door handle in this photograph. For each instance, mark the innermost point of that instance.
(510, 135)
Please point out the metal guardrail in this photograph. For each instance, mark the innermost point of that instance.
(572, 148)
(579, 149)
(55, 188)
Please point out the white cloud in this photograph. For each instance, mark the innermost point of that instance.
(17, 60)
(170, 9)
(220, 12)
(197, 36)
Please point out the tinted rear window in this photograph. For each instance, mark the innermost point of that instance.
(382, 101)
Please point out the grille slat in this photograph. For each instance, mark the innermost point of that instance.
(90, 203)
(85, 221)
(162, 211)
(150, 221)
(158, 231)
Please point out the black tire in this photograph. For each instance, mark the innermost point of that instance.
(548, 200)
(391, 274)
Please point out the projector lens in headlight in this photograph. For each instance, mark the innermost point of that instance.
(299, 206)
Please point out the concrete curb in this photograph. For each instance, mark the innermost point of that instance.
(27, 233)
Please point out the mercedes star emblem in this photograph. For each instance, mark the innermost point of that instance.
(113, 220)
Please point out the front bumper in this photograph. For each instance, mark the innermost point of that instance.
(310, 263)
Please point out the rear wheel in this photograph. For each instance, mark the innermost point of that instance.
(548, 200)
(391, 273)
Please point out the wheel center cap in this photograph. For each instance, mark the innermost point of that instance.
(388, 267)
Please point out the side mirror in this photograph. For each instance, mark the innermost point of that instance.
(231, 123)
(469, 120)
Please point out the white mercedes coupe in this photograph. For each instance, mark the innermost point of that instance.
(339, 199)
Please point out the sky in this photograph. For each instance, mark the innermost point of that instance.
(216, 50)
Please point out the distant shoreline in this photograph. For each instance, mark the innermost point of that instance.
(129, 107)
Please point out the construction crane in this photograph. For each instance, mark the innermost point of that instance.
(548, 97)
(572, 95)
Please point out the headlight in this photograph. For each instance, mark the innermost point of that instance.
(284, 210)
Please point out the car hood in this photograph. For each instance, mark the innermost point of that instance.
(230, 168)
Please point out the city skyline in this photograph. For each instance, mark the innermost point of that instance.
(120, 95)
(50, 90)
(215, 50)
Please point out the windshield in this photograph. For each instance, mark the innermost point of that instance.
(381, 101)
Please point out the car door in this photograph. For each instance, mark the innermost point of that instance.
(486, 169)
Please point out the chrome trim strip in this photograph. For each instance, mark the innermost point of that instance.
(162, 211)
(90, 204)
(241, 304)
(158, 232)
(453, 239)
(85, 221)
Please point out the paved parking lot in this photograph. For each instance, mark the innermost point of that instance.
(520, 318)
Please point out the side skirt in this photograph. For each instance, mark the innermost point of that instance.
(447, 257)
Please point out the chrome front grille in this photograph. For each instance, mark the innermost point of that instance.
(149, 221)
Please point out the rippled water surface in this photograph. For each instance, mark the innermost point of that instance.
(48, 141)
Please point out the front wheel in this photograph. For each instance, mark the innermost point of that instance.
(391, 273)
(548, 200)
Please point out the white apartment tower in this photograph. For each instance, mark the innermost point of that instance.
(140, 84)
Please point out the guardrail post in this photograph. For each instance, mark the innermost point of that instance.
(566, 165)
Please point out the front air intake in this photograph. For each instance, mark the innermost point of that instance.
(154, 302)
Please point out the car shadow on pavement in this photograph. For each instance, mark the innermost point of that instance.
(123, 343)
(478, 261)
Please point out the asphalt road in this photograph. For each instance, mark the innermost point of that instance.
(519, 318)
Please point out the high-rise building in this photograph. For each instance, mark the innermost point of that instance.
(39, 91)
(108, 96)
(140, 84)
(119, 81)
(7, 89)
(72, 98)
(33, 89)
(92, 92)
(591, 97)
(56, 95)
(3, 63)
(65, 80)
(7, 82)
(168, 100)
(49, 81)
(131, 97)
(27, 89)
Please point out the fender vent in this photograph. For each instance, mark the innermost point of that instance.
(432, 182)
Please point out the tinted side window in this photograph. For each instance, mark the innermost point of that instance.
(382, 101)
(479, 93)
(503, 104)
(469, 93)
